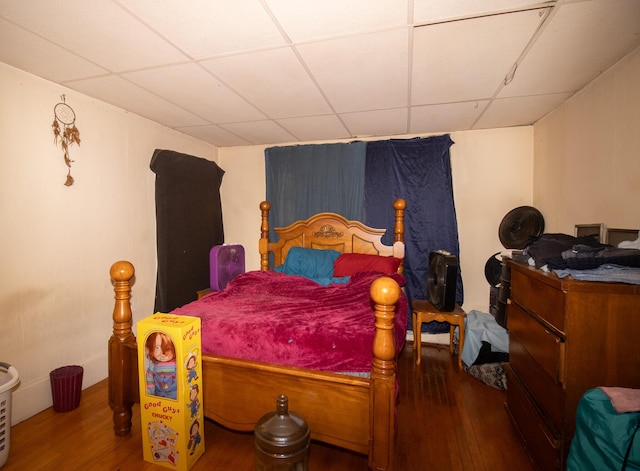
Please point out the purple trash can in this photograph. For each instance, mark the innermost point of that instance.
(66, 387)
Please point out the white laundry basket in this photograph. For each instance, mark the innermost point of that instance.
(8, 379)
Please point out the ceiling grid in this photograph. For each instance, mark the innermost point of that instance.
(285, 71)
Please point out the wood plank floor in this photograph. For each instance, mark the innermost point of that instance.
(447, 421)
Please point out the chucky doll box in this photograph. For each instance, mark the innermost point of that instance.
(170, 372)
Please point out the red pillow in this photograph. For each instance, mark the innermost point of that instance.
(348, 264)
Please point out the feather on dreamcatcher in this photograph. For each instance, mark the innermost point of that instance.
(65, 130)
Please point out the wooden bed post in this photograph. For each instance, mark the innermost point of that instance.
(263, 245)
(398, 233)
(385, 293)
(123, 364)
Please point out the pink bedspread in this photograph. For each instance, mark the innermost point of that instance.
(289, 320)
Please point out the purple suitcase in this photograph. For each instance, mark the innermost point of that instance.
(225, 263)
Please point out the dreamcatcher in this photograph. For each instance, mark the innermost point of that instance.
(65, 130)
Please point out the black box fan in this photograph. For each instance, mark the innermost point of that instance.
(442, 277)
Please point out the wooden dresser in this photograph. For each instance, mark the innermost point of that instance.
(565, 337)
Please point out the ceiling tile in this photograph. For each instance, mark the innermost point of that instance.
(361, 72)
(445, 117)
(260, 132)
(377, 123)
(580, 42)
(215, 135)
(309, 20)
(205, 96)
(274, 81)
(98, 30)
(205, 28)
(472, 61)
(519, 111)
(126, 95)
(426, 11)
(44, 59)
(315, 128)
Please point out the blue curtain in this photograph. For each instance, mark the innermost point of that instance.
(418, 170)
(308, 179)
(361, 181)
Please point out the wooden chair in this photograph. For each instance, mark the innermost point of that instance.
(424, 311)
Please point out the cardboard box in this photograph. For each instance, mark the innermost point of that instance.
(170, 372)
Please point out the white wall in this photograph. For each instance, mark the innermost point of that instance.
(59, 242)
(587, 162)
(491, 175)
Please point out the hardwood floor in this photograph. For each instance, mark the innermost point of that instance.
(447, 421)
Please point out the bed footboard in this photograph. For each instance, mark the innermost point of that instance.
(123, 360)
(362, 411)
(354, 413)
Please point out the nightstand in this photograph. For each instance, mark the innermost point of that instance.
(424, 311)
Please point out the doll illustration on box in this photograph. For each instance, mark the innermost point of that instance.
(194, 402)
(194, 437)
(191, 367)
(161, 369)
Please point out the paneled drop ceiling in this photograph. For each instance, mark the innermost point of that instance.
(244, 72)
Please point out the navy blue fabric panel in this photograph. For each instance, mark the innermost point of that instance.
(418, 170)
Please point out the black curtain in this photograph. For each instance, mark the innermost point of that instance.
(188, 224)
(418, 170)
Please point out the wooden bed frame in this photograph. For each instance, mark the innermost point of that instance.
(354, 413)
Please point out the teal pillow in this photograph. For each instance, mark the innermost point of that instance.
(311, 263)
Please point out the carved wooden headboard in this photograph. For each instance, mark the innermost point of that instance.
(329, 231)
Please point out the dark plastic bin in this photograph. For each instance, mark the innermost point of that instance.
(66, 387)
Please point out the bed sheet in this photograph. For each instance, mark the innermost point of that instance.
(290, 320)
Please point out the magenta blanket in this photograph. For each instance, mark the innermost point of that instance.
(289, 320)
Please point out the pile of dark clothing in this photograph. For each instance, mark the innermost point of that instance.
(584, 258)
(559, 251)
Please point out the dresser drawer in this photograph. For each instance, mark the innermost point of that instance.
(543, 445)
(548, 393)
(543, 300)
(546, 348)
